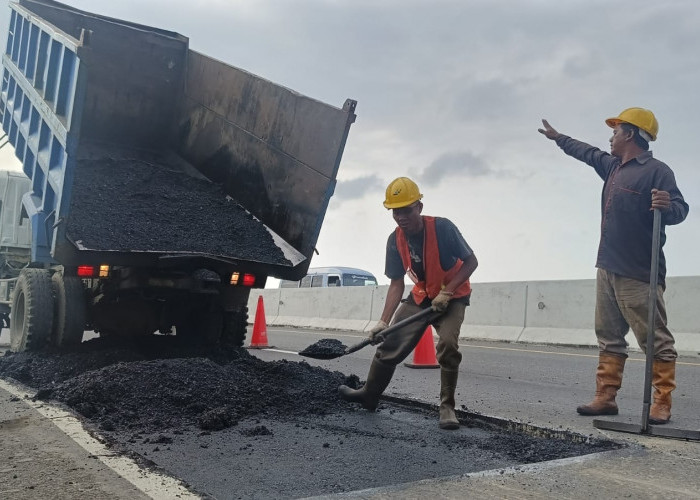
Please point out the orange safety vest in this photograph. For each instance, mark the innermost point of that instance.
(436, 276)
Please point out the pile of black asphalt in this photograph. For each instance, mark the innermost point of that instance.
(158, 384)
(149, 206)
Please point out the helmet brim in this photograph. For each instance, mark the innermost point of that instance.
(400, 204)
(614, 122)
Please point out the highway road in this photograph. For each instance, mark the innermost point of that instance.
(537, 384)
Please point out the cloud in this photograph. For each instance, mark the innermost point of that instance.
(452, 91)
(460, 163)
(356, 189)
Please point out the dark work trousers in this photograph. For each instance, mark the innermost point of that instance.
(399, 344)
(623, 303)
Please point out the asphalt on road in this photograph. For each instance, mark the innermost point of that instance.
(537, 384)
(540, 385)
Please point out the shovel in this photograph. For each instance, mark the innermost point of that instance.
(337, 349)
(644, 427)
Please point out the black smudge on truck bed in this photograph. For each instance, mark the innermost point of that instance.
(128, 204)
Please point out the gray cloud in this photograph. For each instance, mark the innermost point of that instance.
(461, 163)
(486, 100)
(465, 84)
(356, 189)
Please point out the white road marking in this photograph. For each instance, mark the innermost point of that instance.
(155, 485)
(281, 351)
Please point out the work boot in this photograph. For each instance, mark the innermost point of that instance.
(608, 380)
(378, 379)
(664, 381)
(448, 384)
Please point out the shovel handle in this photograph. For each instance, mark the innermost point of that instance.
(358, 346)
(400, 324)
(424, 313)
(651, 317)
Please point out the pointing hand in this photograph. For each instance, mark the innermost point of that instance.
(548, 131)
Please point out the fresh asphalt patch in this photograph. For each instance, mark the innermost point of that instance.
(233, 426)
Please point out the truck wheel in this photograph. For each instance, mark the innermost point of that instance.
(69, 310)
(235, 327)
(31, 316)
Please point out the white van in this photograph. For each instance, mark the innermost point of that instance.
(332, 276)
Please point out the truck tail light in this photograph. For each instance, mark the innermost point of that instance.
(248, 279)
(93, 271)
(86, 271)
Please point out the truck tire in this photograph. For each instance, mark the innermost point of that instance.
(235, 327)
(69, 310)
(31, 316)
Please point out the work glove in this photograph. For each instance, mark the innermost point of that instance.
(440, 302)
(375, 334)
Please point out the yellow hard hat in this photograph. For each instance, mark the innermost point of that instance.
(401, 192)
(640, 117)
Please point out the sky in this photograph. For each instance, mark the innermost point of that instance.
(451, 94)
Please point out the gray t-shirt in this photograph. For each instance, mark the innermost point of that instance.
(451, 246)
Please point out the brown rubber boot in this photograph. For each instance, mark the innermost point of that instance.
(664, 381)
(608, 380)
(448, 384)
(378, 379)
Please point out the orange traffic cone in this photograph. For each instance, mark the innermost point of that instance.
(424, 354)
(259, 340)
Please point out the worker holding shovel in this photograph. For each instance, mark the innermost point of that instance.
(439, 261)
(635, 184)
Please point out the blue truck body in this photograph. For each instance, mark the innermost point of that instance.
(78, 87)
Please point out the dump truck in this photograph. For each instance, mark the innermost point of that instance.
(164, 184)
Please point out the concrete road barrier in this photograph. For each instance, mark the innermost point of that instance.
(538, 312)
(560, 312)
(541, 312)
(341, 308)
(496, 312)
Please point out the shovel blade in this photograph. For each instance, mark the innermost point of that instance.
(611, 425)
(332, 348)
(324, 349)
(317, 355)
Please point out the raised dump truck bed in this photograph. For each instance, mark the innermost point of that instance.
(152, 165)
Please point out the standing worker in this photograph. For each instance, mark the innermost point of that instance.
(439, 262)
(635, 183)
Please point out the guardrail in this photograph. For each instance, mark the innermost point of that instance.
(539, 312)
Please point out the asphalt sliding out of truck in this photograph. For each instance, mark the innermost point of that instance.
(163, 184)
